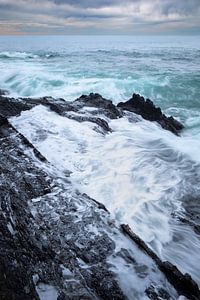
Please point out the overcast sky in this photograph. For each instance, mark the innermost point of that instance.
(99, 16)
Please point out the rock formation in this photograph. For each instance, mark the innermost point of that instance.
(56, 241)
(148, 111)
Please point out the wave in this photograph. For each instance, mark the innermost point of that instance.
(16, 55)
(163, 54)
(28, 55)
(36, 78)
(139, 172)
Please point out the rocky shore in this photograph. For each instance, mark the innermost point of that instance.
(56, 243)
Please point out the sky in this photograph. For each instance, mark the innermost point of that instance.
(135, 17)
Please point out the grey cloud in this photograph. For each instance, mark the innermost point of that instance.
(90, 3)
(101, 16)
(183, 7)
(167, 6)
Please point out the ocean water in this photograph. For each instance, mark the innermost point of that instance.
(141, 172)
(164, 69)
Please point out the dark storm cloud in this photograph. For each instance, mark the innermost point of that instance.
(100, 16)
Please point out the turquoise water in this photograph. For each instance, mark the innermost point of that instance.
(165, 69)
(140, 171)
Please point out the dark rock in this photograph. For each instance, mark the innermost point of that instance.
(19, 182)
(3, 120)
(157, 293)
(190, 216)
(99, 280)
(45, 225)
(3, 92)
(192, 224)
(98, 121)
(12, 107)
(176, 124)
(184, 284)
(137, 104)
(97, 101)
(191, 205)
(100, 205)
(36, 244)
(148, 111)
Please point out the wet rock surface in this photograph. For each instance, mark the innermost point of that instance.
(104, 106)
(49, 233)
(149, 111)
(183, 283)
(33, 235)
(52, 237)
(77, 109)
(20, 180)
(190, 216)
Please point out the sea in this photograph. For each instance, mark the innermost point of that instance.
(143, 174)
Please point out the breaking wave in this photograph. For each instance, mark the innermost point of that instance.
(139, 171)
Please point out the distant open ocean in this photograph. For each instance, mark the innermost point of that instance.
(141, 172)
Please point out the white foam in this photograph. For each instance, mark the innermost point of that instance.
(139, 171)
(17, 55)
(46, 291)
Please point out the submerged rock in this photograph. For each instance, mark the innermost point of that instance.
(190, 215)
(149, 111)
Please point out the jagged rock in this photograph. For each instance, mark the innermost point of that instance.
(3, 120)
(183, 283)
(156, 294)
(12, 107)
(148, 111)
(53, 235)
(97, 101)
(33, 243)
(190, 215)
(98, 121)
(20, 180)
(137, 104)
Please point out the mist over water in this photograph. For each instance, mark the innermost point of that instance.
(139, 171)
